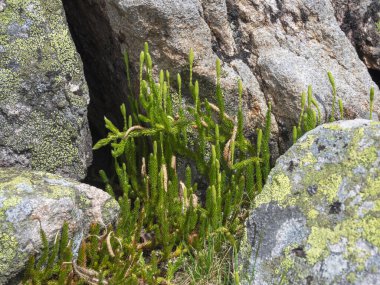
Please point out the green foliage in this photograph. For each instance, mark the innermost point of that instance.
(53, 264)
(332, 82)
(371, 102)
(309, 119)
(178, 223)
(162, 215)
(310, 115)
(171, 214)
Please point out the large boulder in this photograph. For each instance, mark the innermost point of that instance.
(30, 201)
(278, 48)
(43, 93)
(359, 19)
(317, 220)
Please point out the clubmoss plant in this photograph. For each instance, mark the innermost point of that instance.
(371, 102)
(185, 177)
(172, 212)
(310, 116)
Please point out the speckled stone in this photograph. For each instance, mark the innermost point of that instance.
(317, 220)
(43, 92)
(31, 200)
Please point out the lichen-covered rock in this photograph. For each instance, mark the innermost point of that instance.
(43, 93)
(317, 220)
(32, 200)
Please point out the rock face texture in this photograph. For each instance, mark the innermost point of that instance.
(317, 219)
(43, 93)
(359, 20)
(31, 200)
(276, 47)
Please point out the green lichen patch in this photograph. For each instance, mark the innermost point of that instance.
(279, 191)
(8, 250)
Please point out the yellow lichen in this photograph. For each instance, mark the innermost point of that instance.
(329, 187)
(307, 143)
(333, 126)
(312, 214)
(351, 277)
(278, 190)
(8, 250)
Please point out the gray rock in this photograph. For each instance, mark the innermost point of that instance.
(278, 48)
(317, 218)
(31, 200)
(359, 20)
(43, 93)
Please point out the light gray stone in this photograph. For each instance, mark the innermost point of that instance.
(278, 48)
(30, 201)
(317, 218)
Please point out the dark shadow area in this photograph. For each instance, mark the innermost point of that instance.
(375, 74)
(104, 71)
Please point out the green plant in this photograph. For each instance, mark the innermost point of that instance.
(310, 115)
(309, 119)
(178, 223)
(207, 266)
(371, 102)
(155, 201)
(53, 263)
(164, 221)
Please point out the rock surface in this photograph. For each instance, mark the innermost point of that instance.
(32, 200)
(43, 93)
(276, 47)
(359, 20)
(317, 220)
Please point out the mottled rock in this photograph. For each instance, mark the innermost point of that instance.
(43, 93)
(359, 19)
(31, 200)
(317, 219)
(278, 48)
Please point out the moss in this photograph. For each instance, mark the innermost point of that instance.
(16, 181)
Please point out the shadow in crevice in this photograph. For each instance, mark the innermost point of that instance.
(375, 74)
(104, 71)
